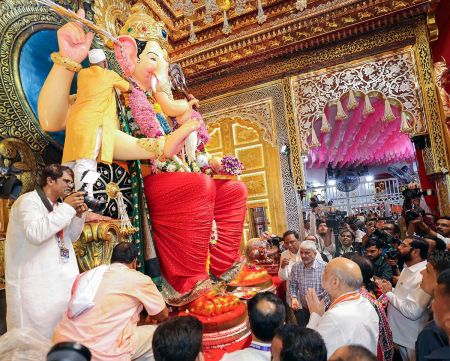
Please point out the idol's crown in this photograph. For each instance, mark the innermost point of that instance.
(141, 26)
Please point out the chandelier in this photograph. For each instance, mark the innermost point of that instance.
(213, 7)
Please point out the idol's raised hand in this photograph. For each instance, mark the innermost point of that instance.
(73, 42)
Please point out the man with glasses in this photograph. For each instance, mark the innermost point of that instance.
(407, 301)
(40, 260)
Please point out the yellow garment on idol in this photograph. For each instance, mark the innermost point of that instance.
(94, 108)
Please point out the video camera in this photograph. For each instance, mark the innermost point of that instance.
(382, 238)
(96, 205)
(392, 254)
(411, 215)
(276, 240)
(416, 192)
(10, 185)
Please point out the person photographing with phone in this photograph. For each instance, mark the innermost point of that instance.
(40, 260)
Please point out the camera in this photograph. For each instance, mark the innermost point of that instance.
(392, 254)
(276, 240)
(412, 193)
(96, 205)
(69, 351)
(411, 215)
(382, 238)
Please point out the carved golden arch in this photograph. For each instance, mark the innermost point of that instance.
(260, 114)
(246, 122)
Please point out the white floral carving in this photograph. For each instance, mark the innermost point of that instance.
(392, 74)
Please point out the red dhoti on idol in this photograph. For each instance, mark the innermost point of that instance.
(182, 208)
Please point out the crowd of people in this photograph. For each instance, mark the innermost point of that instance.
(372, 293)
(391, 273)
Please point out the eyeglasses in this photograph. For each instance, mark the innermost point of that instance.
(68, 182)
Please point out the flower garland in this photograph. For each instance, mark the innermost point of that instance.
(144, 115)
(148, 123)
(202, 132)
(231, 165)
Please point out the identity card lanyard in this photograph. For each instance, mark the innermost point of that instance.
(63, 250)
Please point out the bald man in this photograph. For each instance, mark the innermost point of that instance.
(350, 319)
(352, 353)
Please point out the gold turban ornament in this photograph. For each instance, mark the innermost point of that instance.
(141, 26)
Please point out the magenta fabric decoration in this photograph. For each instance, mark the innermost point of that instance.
(144, 114)
(360, 140)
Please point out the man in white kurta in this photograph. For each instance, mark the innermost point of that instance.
(40, 260)
(350, 319)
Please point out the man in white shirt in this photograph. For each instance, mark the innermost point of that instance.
(350, 319)
(289, 257)
(408, 303)
(40, 260)
(265, 313)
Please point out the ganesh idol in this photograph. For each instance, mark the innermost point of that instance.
(184, 200)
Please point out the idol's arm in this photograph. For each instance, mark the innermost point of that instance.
(53, 102)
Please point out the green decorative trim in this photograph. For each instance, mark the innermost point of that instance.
(228, 275)
(140, 217)
(174, 298)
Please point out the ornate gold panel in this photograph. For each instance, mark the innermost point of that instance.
(111, 15)
(256, 184)
(430, 98)
(244, 135)
(17, 153)
(96, 243)
(217, 154)
(296, 163)
(215, 141)
(252, 156)
(443, 193)
(262, 174)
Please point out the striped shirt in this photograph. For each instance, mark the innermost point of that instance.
(302, 278)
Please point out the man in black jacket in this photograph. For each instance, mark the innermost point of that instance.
(381, 268)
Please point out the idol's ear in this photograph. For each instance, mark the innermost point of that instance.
(126, 54)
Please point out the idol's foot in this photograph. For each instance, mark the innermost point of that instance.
(94, 217)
